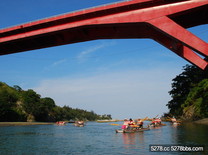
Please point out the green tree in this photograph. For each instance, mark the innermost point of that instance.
(45, 107)
(31, 102)
(7, 104)
(18, 88)
(181, 86)
(196, 104)
(58, 114)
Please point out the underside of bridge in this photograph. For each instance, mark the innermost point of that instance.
(164, 21)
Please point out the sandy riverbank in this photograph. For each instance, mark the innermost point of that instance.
(24, 123)
(202, 121)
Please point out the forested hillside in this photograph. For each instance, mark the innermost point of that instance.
(189, 94)
(26, 105)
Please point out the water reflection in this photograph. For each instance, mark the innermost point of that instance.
(133, 139)
(190, 133)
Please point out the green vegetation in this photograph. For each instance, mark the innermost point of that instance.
(196, 104)
(189, 94)
(20, 105)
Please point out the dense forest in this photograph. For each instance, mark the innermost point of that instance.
(189, 94)
(20, 105)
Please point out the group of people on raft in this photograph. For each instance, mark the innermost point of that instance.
(79, 123)
(156, 122)
(130, 124)
(61, 123)
(175, 122)
(138, 124)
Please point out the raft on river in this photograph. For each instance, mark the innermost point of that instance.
(157, 125)
(79, 124)
(133, 130)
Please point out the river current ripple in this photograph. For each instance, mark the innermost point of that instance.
(97, 139)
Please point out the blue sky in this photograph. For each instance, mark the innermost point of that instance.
(122, 77)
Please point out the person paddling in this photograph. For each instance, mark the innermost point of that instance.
(131, 123)
(125, 124)
(153, 123)
(173, 120)
(158, 121)
(140, 123)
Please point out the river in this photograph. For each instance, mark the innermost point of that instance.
(97, 139)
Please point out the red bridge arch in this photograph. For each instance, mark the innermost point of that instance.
(165, 21)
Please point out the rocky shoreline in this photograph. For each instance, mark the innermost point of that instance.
(202, 121)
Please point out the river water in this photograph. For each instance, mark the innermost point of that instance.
(98, 139)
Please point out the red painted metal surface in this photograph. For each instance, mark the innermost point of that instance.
(165, 21)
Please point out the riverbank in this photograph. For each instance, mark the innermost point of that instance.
(24, 123)
(202, 121)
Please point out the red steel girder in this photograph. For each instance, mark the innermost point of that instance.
(165, 21)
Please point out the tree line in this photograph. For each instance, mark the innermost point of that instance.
(17, 104)
(189, 94)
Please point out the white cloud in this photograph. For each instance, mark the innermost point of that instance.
(89, 50)
(122, 94)
(56, 63)
(53, 65)
(92, 49)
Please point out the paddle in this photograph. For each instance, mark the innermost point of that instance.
(153, 117)
(156, 116)
(116, 124)
(121, 125)
(144, 119)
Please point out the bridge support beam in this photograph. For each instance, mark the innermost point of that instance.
(180, 41)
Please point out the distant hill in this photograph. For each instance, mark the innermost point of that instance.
(17, 104)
